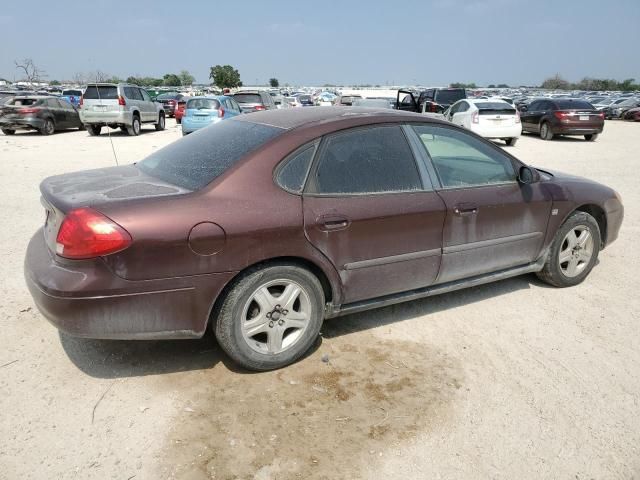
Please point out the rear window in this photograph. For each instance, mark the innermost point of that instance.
(25, 102)
(167, 96)
(104, 92)
(75, 93)
(203, 103)
(449, 97)
(198, 159)
(247, 98)
(568, 104)
(305, 98)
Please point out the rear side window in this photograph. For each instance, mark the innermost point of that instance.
(293, 173)
(104, 92)
(569, 104)
(198, 159)
(449, 96)
(247, 98)
(371, 160)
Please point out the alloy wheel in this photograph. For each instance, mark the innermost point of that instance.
(576, 251)
(275, 316)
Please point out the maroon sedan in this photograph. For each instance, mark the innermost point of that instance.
(262, 226)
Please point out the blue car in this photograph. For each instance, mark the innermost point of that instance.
(72, 96)
(201, 112)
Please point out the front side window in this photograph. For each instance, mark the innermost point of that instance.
(462, 160)
(145, 95)
(369, 160)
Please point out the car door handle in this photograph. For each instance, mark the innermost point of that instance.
(465, 209)
(333, 222)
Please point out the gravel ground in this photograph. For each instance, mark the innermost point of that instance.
(509, 380)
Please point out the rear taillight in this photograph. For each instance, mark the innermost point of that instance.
(432, 107)
(28, 111)
(81, 101)
(601, 115)
(220, 112)
(475, 117)
(562, 115)
(260, 107)
(85, 233)
(517, 116)
(121, 100)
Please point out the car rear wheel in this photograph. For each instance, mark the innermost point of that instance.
(94, 130)
(574, 251)
(271, 317)
(545, 132)
(8, 131)
(48, 128)
(134, 129)
(510, 141)
(591, 137)
(161, 122)
(178, 120)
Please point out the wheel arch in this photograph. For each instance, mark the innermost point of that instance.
(330, 290)
(600, 216)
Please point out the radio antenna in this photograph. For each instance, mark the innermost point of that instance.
(113, 149)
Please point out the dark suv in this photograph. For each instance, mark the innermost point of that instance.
(254, 101)
(434, 100)
(548, 117)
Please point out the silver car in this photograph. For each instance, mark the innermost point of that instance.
(119, 105)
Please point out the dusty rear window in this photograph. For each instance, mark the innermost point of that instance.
(247, 98)
(103, 92)
(24, 102)
(199, 158)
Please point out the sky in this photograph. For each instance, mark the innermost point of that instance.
(429, 42)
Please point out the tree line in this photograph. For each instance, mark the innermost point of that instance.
(558, 83)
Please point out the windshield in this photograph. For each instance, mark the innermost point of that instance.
(203, 103)
(247, 98)
(198, 159)
(448, 97)
(104, 92)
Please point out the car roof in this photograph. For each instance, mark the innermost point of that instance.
(291, 118)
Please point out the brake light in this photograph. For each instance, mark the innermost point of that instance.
(28, 111)
(260, 107)
(475, 117)
(517, 116)
(562, 115)
(220, 112)
(121, 100)
(601, 115)
(85, 233)
(81, 101)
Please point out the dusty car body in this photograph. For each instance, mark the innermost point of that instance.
(186, 248)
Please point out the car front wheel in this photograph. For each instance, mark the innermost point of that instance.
(271, 317)
(8, 131)
(510, 141)
(574, 251)
(48, 128)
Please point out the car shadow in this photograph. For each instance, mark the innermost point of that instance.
(121, 359)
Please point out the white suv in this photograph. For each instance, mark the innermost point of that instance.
(119, 105)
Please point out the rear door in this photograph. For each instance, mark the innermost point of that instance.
(370, 208)
(58, 113)
(493, 222)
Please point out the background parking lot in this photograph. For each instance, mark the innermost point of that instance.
(508, 380)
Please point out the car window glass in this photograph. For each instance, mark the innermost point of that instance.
(462, 160)
(464, 106)
(145, 95)
(293, 173)
(52, 103)
(367, 160)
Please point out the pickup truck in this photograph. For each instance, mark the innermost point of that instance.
(432, 100)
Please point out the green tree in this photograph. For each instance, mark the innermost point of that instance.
(133, 80)
(503, 85)
(628, 85)
(556, 83)
(171, 80)
(274, 82)
(491, 86)
(54, 82)
(225, 76)
(186, 79)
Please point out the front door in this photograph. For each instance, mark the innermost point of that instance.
(370, 208)
(493, 222)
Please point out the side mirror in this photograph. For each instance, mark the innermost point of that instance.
(528, 175)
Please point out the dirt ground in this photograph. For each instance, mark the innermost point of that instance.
(509, 380)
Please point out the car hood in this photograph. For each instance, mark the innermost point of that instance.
(102, 186)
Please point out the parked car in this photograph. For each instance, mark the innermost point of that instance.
(618, 111)
(490, 118)
(261, 226)
(203, 111)
(72, 96)
(346, 100)
(608, 109)
(254, 100)
(372, 103)
(44, 114)
(632, 114)
(119, 105)
(432, 100)
(179, 113)
(551, 117)
(169, 102)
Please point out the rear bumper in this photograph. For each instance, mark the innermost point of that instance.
(577, 130)
(508, 131)
(105, 118)
(86, 299)
(22, 123)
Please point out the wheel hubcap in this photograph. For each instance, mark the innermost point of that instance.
(576, 251)
(276, 316)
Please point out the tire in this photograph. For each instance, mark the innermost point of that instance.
(134, 129)
(545, 132)
(583, 255)
(591, 137)
(94, 130)
(178, 121)
(48, 128)
(255, 297)
(511, 141)
(161, 122)
(82, 127)
(8, 131)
